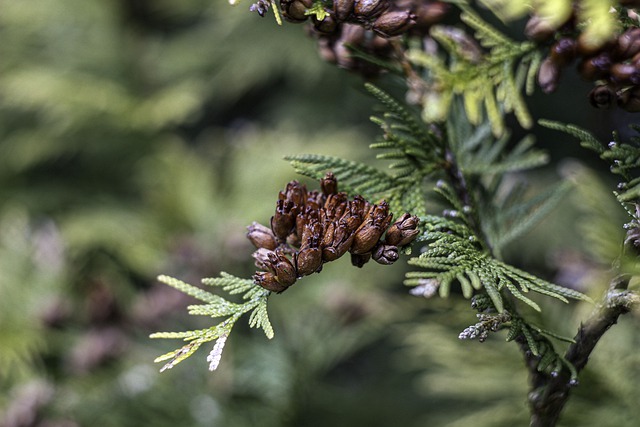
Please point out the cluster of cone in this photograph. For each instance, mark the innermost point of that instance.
(361, 25)
(614, 66)
(310, 228)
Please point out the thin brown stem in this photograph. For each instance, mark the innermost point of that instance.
(549, 394)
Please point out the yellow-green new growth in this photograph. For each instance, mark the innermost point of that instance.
(255, 301)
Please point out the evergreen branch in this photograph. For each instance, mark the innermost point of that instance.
(406, 139)
(453, 252)
(514, 217)
(587, 140)
(481, 79)
(188, 289)
(354, 177)
(550, 393)
(255, 301)
(531, 338)
(396, 111)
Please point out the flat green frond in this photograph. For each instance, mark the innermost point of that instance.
(487, 35)
(399, 112)
(229, 283)
(547, 359)
(354, 177)
(260, 319)
(254, 299)
(452, 257)
(587, 139)
(489, 80)
(188, 289)
(219, 309)
(517, 216)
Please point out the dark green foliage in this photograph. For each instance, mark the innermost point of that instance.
(453, 255)
(416, 153)
(485, 80)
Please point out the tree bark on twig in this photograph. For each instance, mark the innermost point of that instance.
(549, 394)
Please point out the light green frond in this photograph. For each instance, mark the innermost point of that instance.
(231, 284)
(489, 82)
(464, 260)
(260, 319)
(254, 299)
(513, 215)
(354, 177)
(188, 289)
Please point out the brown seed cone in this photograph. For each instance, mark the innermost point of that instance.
(602, 96)
(385, 254)
(359, 260)
(563, 52)
(374, 224)
(268, 281)
(308, 261)
(329, 184)
(403, 231)
(283, 268)
(261, 236)
(394, 22)
(370, 9)
(284, 220)
(343, 9)
(294, 10)
(548, 75)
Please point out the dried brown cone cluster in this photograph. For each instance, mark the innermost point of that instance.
(363, 25)
(614, 66)
(310, 228)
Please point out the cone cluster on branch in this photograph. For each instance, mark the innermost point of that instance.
(362, 25)
(310, 228)
(614, 65)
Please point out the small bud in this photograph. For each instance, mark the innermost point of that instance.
(283, 268)
(308, 261)
(358, 260)
(268, 281)
(403, 231)
(329, 184)
(393, 23)
(262, 260)
(261, 236)
(374, 224)
(539, 29)
(563, 52)
(370, 9)
(261, 7)
(602, 97)
(428, 14)
(326, 26)
(284, 220)
(595, 67)
(628, 44)
(342, 9)
(629, 100)
(548, 76)
(625, 73)
(295, 10)
(385, 254)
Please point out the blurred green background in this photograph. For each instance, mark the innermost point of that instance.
(140, 137)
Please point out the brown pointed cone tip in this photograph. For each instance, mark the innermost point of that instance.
(385, 254)
(403, 231)
(261, 236)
